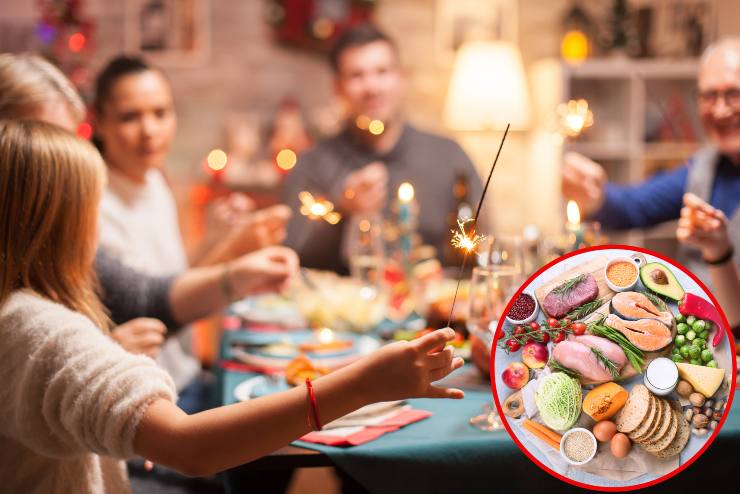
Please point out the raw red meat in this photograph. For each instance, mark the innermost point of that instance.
(557, 305)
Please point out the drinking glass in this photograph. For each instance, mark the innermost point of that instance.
(491, 287)
(366, 253)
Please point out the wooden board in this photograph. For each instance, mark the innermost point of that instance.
(594, 266)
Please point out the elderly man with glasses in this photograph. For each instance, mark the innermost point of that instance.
(712, 173)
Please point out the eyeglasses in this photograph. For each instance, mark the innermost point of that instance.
(710, 98)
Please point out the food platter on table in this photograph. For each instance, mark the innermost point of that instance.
(276, 350)
(623, 375)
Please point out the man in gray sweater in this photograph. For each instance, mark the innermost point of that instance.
(360, 169)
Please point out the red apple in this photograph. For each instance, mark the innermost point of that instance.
(535, 355)
(516, 375)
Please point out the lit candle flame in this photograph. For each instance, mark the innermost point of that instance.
(406, 192)
(318, 208)
(573, 213)
(463, 240)
(325, 336)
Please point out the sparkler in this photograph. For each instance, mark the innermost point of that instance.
(463, 240)
(318, 208)
(468, 242)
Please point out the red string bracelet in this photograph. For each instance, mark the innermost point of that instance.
(313, 411)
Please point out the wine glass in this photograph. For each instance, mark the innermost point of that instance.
(491, 287)
(366, 253)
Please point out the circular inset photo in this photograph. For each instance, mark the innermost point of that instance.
(614, 368)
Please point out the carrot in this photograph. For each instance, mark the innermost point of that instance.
(542, 432)
(551, 433)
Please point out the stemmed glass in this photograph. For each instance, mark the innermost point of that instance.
(491, 287)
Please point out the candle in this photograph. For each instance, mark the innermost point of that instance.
(574, 224)
(406, 217)
(325, 336)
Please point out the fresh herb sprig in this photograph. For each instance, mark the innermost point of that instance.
(584, 310)
(565, 287)
(634, 354)
(556, 366)
(608, 364)
(656, 301)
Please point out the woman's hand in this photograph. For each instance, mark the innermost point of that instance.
(141, 336)
(704, 227)
(266, 270)
(407, 369)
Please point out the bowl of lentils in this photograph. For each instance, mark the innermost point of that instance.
(524, 310)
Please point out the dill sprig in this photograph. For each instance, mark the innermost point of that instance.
(656, 301)
(634, 354)
(608, 364)
(565, 287)
(584, 310)
(556, 366)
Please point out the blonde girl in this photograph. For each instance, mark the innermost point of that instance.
(73, 403)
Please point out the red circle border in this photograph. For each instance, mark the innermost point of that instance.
(505, 421)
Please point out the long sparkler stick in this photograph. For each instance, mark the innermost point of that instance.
(475, 223)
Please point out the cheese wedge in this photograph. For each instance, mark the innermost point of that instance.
(705, 380)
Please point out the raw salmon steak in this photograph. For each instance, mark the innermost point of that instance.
(633, 306)
(648, 335)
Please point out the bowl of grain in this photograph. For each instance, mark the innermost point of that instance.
(578, 446)
(621, 274)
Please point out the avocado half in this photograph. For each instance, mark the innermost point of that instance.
(659, 279)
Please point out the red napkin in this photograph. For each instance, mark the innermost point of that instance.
(367, 434)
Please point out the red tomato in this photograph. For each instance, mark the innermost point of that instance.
(579, 328)
(530, 339)
(553, 323)
(534, 325)
(560, 337)
(519, 330)
(513, 345)
(565, 322)
(545, 337)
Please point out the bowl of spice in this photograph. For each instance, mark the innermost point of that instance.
(621, 274)
(524, 310)
(578, 446)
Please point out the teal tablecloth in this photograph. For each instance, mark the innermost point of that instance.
(444, 454)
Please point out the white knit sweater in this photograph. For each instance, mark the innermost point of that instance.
(70, 400)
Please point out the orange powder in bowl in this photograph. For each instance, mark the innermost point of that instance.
(621, 273)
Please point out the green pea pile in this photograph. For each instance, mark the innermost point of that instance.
(690, 344)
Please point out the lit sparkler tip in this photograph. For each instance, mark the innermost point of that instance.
(463, 240)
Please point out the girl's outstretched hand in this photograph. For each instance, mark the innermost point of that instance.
(407, 369)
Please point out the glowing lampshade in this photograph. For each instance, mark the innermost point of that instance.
(488, 88)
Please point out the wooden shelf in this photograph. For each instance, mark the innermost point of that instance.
(666, 151)
(625, 69)
(600, 150)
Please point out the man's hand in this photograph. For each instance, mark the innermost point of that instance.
(366, 189)
(583, 182)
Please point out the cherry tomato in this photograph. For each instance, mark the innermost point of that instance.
(519, 330)
(534, 325)
(553, 323)
(565, 323)
(545, 337)
(530, 339)
(560, 337)
(579, 328)
(513, 345)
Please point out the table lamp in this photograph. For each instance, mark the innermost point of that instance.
(488, 88)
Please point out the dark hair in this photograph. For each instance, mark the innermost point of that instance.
(359, 35)
(117, 68)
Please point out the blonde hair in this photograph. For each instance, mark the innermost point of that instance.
(28, 81)
(50, 186)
